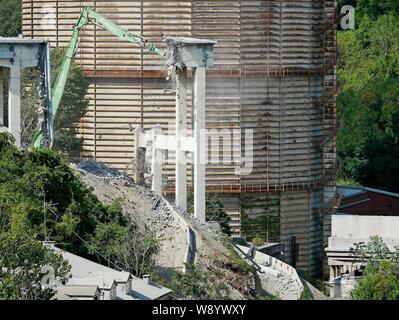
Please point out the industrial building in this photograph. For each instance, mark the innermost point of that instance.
(274, 73)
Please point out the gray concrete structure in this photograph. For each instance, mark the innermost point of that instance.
(347, 230)
(15, 55)
(274, 73)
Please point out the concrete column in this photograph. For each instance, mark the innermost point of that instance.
(156, 163)
(139, 158)
(1, 102)
(181, 130)
(14, 102)
(199, 140)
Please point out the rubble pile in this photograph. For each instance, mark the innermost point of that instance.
(151, 212)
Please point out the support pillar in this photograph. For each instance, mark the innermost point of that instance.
(181, 131)
(14, 102)
(199, 140)
(156, 164)
(1, 102)
(139, 158)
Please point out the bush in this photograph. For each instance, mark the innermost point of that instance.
(214, 211)
(380, 282)
(197, 284)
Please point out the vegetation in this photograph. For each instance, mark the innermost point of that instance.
(40, 197)
(261, 228)
(27, 268)
(214, 210)
(10, 18)
(306, 294)
(380, 279)
(197, 284)
(367, 106)
(72, 108)
(73, 105)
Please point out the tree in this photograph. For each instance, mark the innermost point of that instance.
(380, 279)
(107, 241)
(26, 265)
(10, 18)
(138, 252)
(72, 108)
(41, 193)
(367, 145)
(214, 210)
(377, 8)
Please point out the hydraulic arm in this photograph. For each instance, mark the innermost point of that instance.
(89, 16)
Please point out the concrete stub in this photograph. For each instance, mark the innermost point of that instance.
(193, 53)
(139, 159)
(14, 102)
(17, 54)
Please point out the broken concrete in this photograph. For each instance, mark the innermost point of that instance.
(152, 212)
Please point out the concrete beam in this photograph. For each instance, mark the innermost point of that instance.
(14, 102)
(199, 141)
(181, 131)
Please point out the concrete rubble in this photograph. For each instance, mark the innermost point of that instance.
(151, 212)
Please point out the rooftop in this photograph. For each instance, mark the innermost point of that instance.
(144, 289)
(77, 291)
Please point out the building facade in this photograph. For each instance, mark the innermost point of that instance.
(274, 73)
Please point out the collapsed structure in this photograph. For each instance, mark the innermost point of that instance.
(274, 73)
(17, 54)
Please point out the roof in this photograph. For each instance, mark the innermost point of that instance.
(125, 297)
(82, 267)
(78, 291)
(105, 282)
(143, 289)
(88, 273)
(351, 191)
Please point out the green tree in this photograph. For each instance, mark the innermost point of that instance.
(24, 262)
(380, 282)
(107, 241)
(214, 210)
(72, 108)
(377, 8)
(367, 106)
(380, 279)
(10, 18)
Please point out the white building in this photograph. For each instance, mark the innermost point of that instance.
(347, 230)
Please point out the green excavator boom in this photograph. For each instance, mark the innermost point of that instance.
(89, 16)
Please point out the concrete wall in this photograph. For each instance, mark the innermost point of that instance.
(362, 227)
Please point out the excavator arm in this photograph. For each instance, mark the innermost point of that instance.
(89, 16)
